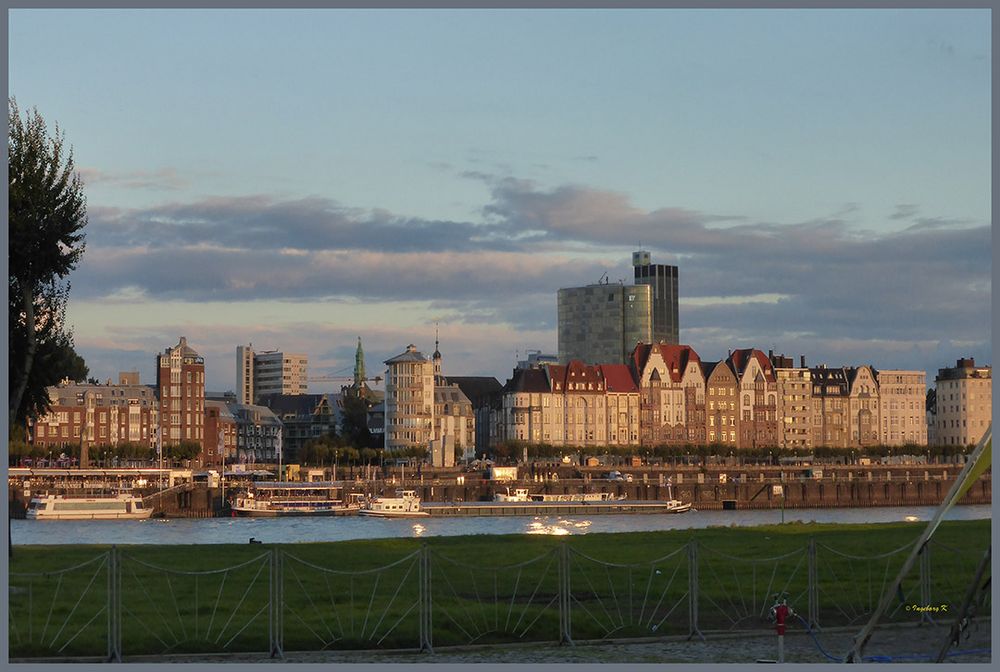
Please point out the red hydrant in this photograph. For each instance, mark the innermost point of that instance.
(780, 612)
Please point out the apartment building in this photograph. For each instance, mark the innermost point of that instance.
(267, 373)
(722, 399)
(902, 397)
(758, 402)
(794, 411)
(672, 393)
(258, 433)
(89, 415)
(963, 403)
(180, 381)
(863, 407)
(409, 400)
(830, 407)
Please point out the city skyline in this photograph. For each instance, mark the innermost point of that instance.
(296, 179)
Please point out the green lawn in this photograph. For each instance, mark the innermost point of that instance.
(366, 594)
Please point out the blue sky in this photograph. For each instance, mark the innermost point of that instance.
(298, 178)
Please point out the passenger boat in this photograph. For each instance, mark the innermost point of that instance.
(405, 504)
(519, 495)
(60, 507)
(291, 499)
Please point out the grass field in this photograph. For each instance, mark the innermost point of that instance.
(482, 589)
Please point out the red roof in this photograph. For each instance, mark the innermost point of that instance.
(739, 360)
(576, 372)
(618, 378)
(677, 357)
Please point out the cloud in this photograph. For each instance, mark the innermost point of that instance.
(165, 179)
(833, 282)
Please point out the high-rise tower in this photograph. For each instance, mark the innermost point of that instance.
(662, 280)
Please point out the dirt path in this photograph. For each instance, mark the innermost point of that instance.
(901, 643)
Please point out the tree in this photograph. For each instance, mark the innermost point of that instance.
(354, 423)
(47, 212)
(185, 450)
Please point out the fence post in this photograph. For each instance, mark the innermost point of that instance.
(565, 597)
(114, 607)
(925, 582)
(693, 590)
(275, 605)
(425, 600)
(813, 588)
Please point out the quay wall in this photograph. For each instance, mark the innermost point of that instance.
(715, 487)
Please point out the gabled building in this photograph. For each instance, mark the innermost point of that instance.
(722, 404)
(863, 406)
(830, 407)
(758, 402)
(621, 405)
(672, 394)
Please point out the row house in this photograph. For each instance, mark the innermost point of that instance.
(903, 396)
(303, 417)
(794, 396)
(758, 402)
(722, 398)
(672, 394)
(571, 405)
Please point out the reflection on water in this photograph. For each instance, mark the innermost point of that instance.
(307, 529)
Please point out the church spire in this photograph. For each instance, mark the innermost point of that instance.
(437, 353)
(359, 366)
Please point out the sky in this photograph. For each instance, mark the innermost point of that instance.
(295, 179)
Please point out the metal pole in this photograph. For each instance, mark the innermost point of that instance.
(693, 590)
(925, 582)
(781, 648)
(963, 612)
(813, 592)
(565, 626)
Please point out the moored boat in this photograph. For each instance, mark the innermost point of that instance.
(405, 504)
(519, 495)
(60, 507)
(291, 499)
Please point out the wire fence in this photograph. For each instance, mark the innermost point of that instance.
(115, 605)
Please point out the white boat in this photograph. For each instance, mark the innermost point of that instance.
(405, 504)
(291, 499)
(519, 495)
(579, 497)
(675, 505)
(60, 507)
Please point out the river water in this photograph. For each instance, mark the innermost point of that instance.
(308, 529)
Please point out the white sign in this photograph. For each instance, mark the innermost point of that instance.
(778, 490)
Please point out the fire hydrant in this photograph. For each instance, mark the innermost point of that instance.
(780, 613)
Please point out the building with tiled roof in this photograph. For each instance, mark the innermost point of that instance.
(721, 404)
(758, 403)
(830, 396)
(672, 392)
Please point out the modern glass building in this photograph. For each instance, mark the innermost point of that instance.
(663, 281)
(601, 324)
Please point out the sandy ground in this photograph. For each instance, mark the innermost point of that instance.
(799, 648)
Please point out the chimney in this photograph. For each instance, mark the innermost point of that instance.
(802, 359)
(770, 355)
